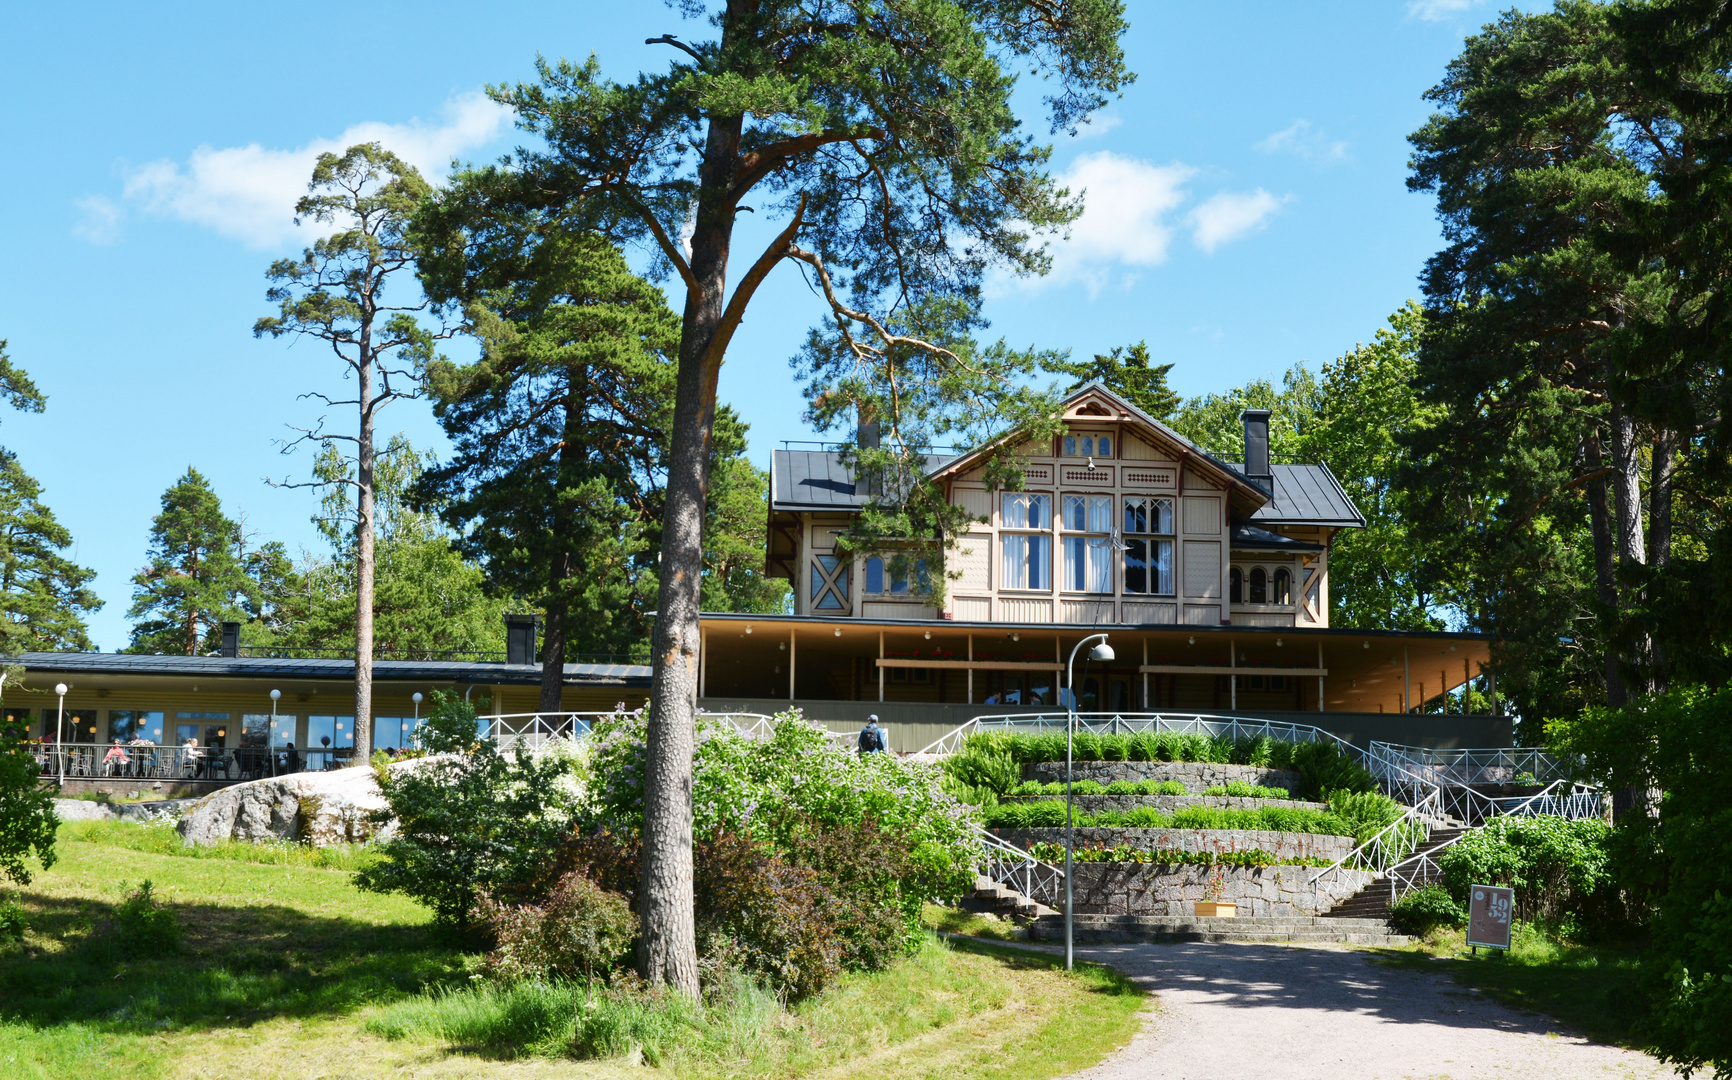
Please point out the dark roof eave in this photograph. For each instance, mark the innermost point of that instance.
(957, 624)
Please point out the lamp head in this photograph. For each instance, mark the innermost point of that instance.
(60, 688)
(1103, 651)
(416, 697)
(276, 694)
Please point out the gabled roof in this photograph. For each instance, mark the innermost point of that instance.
(1306, 495)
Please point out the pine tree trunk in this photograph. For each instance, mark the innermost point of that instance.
(1605, 565)
(1632, 545)
(1660, 477)
(668, 950)
(553, 640)
(364, 560)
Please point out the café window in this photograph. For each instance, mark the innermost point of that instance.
(129, 724)
(1088, 543)
(1025, 557)
(1148, 530)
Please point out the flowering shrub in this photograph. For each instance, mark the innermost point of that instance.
(782, 788)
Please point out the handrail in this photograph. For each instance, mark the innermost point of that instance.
(1129, 723)
(1480, 765)
(540, 728)
(1394, 765)
(1007, 864)
(1390, 845)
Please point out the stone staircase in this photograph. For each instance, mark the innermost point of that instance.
(991, 897)
(1372, 902)
(1267, 930)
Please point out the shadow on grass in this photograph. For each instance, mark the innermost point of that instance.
(237, 966)
(1100, 978)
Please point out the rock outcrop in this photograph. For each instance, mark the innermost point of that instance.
(319, 808)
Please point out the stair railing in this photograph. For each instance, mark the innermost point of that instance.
(1007, 864)
(1561, 798)
(1390, 845)
(1129, 723)
(536, 730)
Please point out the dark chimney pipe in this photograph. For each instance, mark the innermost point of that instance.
(520, 638)
(231, 641)
(1257, 468)
(866, 438)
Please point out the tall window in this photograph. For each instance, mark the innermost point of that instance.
(829, 583)
(1148, 531)
(880, 579)
(1282, 593)
(1088, 544)
(1235, 586)
(1259, 585)
(1026, 556)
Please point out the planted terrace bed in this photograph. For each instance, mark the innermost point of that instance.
(1167, 804)
(1282, 846)
(1109, 888)
(1197, 776)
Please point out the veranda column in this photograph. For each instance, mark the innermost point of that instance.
(1232, 680)
(791, 644)
(1406, 685)
(881, 667)
(1319, 676)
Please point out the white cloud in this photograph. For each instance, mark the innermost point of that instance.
(1306, 143)
(1228, 216)
(1440, 10)
(1126, 203)
(248, 193)
(1098, 125)
(99, 220)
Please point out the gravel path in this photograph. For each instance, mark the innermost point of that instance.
(1333, 1014)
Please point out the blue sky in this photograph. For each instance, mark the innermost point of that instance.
(1247, 211)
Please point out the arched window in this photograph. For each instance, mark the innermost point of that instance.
(874, 575)
(1259, 585)
(1283, 593)
(1235, 586)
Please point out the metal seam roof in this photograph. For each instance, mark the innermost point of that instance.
(383, 670)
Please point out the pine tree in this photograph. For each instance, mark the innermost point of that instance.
(1127, 372)
(197, 578)
(43, 594)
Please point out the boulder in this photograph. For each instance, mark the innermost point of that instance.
(319, 808)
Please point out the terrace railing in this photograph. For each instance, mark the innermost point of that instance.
(1010, 865)
(1455, 773)
(535, 730)
(1129, 723)
(1392, 844)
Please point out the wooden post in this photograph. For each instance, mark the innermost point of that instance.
(1467, 684)
(1320, 707)
(1491, 689)
(1443, 689)
(971, 669)
(1146, 675)
(881, 666)
(1232, 680)
(1406, 687)
(703, 663)
(791, 663)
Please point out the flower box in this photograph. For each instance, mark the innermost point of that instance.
(1207, 910)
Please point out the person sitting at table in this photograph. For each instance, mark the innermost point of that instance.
(189, 757)
(290, 759)
(116, 759)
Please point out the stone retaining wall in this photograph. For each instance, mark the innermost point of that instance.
(1157, 889)
(1166, 804)
(1282, 845)
(1195, 775)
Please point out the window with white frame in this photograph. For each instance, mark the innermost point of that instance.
(881, 577)
(1088, 543)
(1281, 590)
(1148, 540)
(1025, 555)
(829, 583)
(1259, 585)
(1087, 446)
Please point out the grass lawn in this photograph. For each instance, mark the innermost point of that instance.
(288, 971)
(1592, 988)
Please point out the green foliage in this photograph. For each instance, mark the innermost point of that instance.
(425, 595)
(16, 388)
(197, 575)
(1369, 813)
(163, 839)
(1424, 910)
(27, 820)
(1242, 790)
(1125, 853)
(141, 925)
(1128, 372)
(13, 922)
(44, 595)
(1049, 815)
(980, 772)
(1559, 869)
(1214, 421)
(470, 819)
(580, 932)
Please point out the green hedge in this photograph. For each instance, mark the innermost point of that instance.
(1050, 814)
(1124, 853)
(1323, 766)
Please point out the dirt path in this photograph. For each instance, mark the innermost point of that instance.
(1333, 1014)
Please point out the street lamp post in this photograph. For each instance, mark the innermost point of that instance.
(60, 732)
(415, 732)
(271, 737)
(1103, 652)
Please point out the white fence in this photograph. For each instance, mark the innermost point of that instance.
(534, 730)
(1127, 723)
(1010, 865)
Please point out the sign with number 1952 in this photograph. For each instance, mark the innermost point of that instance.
(1488, 916)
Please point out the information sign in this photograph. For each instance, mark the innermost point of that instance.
(1488, 916)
